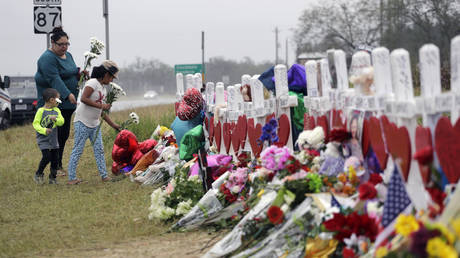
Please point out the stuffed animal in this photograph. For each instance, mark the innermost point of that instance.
(127, 151)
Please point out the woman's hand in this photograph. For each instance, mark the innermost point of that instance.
(72, 99)
(106, 106)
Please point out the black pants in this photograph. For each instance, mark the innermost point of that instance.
(47, 157)
(63, 132)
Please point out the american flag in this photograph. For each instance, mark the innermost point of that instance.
(334, 202)
(397, 199)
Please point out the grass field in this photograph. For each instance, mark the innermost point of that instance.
(38, 219)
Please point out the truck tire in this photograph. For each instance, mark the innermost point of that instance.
(5, 120)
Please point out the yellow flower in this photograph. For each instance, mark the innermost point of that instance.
(445, 232)
(436, 247)
(259, 194)
(406, 224)
(456, 227)
(351, 173)
(381, 252)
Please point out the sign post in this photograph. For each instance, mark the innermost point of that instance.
(47, 17)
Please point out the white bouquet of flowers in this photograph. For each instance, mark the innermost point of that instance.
(133, 119)
(96, 48)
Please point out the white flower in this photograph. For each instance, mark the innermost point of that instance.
(235, 189)
(195, 179)
(184, 207)
(285, 208)
(96, 45)
(134, 117)
(117, 88)
(90, 55)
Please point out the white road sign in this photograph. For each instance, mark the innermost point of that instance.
(47, 2)
(46, 18)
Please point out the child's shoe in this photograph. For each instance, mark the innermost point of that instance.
(53, 181)
(38, 179)
(106, 179)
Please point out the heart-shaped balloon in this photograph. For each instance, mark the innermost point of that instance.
(398, 142)
(254, 133)
(447, 142)
(422, 140)
(376, 141)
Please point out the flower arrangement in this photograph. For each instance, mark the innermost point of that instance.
(96, 47)
(133, 119)
(274, 157)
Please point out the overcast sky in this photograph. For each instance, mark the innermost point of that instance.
(166, 30)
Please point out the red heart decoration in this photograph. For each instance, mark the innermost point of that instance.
(308, 122)
(241, 131)
(376, 141)
(269, 117)
(447, 144)
(218, 135)
(338, 120)
(227, 136)
(322, 121)
(365, 138)
(422, 140)
(284, 129)
(211, 130)
(234, 137)
(398, 141)
(254, 133)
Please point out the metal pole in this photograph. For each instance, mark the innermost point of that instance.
(105, 10)
(287, 65)
(202, 57)
(47, 40)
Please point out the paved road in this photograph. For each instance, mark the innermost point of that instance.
(141, 102)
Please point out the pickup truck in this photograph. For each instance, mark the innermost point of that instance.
(5, 103)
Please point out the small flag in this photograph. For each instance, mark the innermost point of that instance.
(397, 199)
(334, 202)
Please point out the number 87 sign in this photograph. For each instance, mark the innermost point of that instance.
(46, 18)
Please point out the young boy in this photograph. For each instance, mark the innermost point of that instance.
(45, 123)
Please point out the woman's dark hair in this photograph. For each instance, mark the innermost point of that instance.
(49, 93)
(98, 72)
(57, 34)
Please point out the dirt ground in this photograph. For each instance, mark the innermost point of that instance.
(188, 244)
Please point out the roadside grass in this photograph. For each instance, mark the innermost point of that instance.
(39, 219)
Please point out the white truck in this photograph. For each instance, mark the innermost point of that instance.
(5, 103)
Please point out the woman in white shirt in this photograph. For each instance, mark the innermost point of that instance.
(87, 116)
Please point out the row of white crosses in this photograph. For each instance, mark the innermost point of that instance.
(191, 81)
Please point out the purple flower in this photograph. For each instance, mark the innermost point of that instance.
(420, 239)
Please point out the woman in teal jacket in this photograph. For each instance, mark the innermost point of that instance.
(56, 69)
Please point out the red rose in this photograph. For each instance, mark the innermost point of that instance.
(336, 223)
(375, 179)
(275, 215)
(291, 168)
(424, 156)
(348, 253)
(312, 152)
(437, 196)
(339, 135)
(367, 191)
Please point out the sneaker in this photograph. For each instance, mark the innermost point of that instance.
(106, 179)
(38, 179)
(53, 181)
(74, 182)
(61, 172)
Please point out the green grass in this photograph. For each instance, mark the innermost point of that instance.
(37, 219)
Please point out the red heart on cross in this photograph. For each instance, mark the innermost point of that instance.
(398, 142)
(376, 141)
(241, 131)
(284, 129)
(254, 133)
(227, 136)
(338, 120)
(447, 144)
(234, 137)
(322, 121)
(218, 135)
(308, 122)
(365, 142)
(211, 130)
(422, 140)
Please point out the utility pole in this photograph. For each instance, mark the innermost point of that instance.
(276, 45)
(287, 44)
(202, 57)
(105, 13)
